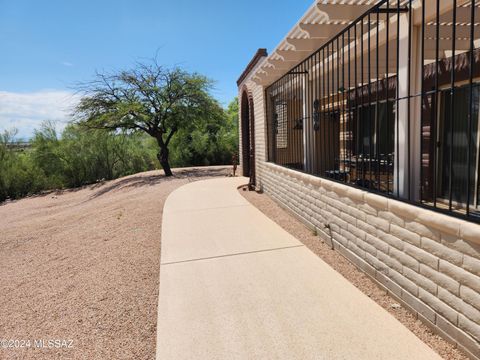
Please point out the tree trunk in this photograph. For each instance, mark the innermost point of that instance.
(162, 157)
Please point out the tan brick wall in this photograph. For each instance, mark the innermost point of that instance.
(428, 261)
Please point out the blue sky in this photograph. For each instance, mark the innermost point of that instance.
(47, 46)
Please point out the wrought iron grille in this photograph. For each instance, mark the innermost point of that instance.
(391, 105)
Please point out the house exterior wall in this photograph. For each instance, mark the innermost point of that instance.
(428, 261)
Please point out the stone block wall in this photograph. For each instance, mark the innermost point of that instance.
(428, 261)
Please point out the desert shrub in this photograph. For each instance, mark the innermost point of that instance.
(19, 175)
(83, 156)
(80, 156)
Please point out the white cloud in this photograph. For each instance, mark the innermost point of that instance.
(66, 63)
(26, 111)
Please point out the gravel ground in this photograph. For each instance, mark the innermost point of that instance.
(83, 265)
(350, 272)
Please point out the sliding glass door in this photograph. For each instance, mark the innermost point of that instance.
(374, 146)
(454, 160)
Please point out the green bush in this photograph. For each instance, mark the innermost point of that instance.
(81, 156)
(19, 175)
(85, 156)
(212, 141)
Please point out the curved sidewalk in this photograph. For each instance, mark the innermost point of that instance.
(234, 285)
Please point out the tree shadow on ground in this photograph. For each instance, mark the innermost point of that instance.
(141, 180)
(138, 180)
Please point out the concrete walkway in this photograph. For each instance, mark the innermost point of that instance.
(234, 285)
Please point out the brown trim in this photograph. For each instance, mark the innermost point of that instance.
(260, 53)
(248, 136)
(251, 119)
(460, 64)
(245, 127)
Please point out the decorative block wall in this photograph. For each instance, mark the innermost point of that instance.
(428, 261)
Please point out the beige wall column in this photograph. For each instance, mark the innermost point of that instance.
(402, 138)
(416, 113)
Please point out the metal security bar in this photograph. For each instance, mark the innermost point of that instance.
(390, 104)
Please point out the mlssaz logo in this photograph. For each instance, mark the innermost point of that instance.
(54, 343)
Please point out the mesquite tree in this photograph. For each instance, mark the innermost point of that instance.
(151, 98)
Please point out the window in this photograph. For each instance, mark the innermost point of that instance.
(452, 157)
(374, 143)
(369, 141)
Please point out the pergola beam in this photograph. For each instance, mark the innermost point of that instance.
(266, 78)
(461, 31)
(324, 21)
(282, 64)
(463, 15)
(343, 11)
(322, 30)
(292, 55)
(307, 44)
(271, 71)
(260, 82)
(430, 10)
